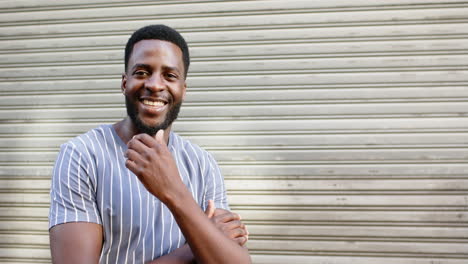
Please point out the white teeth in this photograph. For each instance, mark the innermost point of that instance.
(153, 103)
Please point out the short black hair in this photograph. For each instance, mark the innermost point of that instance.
(161, 32)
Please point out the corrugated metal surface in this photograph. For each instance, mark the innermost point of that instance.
(341, 126)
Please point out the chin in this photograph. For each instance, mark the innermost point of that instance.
(151, 129)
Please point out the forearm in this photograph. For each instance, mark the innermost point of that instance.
(207, 243)
(182, 255)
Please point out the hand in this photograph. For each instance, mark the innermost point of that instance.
(228, 222)
(151, 161)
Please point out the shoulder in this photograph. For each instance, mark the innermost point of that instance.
(86, 142)
(184, 145)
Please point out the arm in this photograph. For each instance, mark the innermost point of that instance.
(78, 242)
(75, 233)
(208, 244)
(152, 162)
(224, 220)
(231, 225)
(182, 255)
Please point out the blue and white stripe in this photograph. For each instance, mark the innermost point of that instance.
(91, 184)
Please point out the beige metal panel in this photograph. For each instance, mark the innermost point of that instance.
(41, 238)
(335, 185)
(266, 111)
(24, 213)
(205, 17)
(27, 184)
(371, 247)
(453, 201)
(340, 126)
(362, 232)
(348, 47)
(81, 10)
(272, 156)
(271, 258)
(331, 156)
(338, 4)
(324, 141)
(299, 184)
(262, 127)
(63, 88)
(278, 141)
(113, 52)
(63, 54)
(39, 254)
(23, 226)
(261, 35)
(274, 20)
(73, 86)
(430, 169)
(257, 67)
(257, 96)
(397, 216)
(25, 199)
(331, 78)
(325, 125)
(303, 35)
(29, 172)
(456, 201)
(239, 79)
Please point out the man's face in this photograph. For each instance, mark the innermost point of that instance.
(154, 85)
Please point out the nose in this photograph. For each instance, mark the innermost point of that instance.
(155, 83)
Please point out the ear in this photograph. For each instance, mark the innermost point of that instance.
(185, 90)
(123, 83)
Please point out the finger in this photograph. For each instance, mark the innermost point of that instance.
(220, 211)
(227, 217)
(236, 224)
(210, 209)
(241, 240)
(132, 166)
(136, 158)
(147, 140)
(160, 137)
(134, 161)
(237, 232)
(137, 144)
(133, 155)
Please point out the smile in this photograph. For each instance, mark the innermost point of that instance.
(153, 103)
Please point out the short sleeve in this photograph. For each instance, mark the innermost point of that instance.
(215, 187)
(72, 195)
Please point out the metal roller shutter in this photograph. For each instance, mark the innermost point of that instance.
(340, 126)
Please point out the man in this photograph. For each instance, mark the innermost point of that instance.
(135, 192)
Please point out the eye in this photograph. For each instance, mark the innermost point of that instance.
(141, 73)
(173, 76)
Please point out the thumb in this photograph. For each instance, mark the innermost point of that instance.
(210, 209)
(160, 137)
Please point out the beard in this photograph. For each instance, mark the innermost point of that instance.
(132, 112)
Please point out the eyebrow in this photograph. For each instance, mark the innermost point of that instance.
(141, 65)
(147, 66)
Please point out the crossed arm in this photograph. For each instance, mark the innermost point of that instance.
(225, 221)
(82, 242)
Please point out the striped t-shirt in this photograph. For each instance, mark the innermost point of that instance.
(90, 183)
